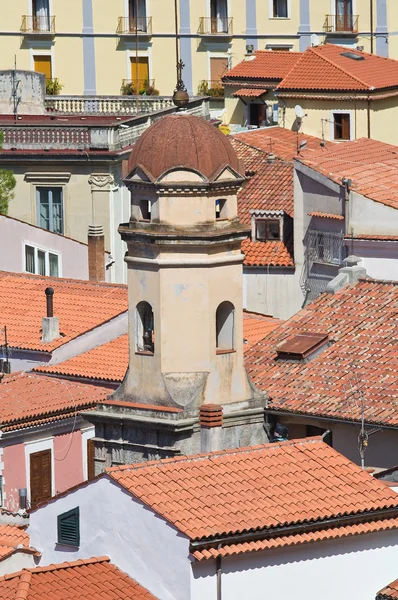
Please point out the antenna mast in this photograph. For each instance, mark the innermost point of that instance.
(14, 93)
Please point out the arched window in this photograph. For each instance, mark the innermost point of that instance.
(144, 330)
(225, 326)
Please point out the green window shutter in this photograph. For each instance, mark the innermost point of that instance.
(69, 528)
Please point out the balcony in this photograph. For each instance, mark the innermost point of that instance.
(38, 26)
(215, 26)
(140, 87)
(130, 27)
(341, 24)
(214, 89)
(325, 247)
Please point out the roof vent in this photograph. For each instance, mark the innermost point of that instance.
(249, 49)
(352, 56)
(302, 345)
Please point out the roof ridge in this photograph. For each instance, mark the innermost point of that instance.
(326, 59)
(68, 565)
(47, 279)
(215, 454)
(23, 585)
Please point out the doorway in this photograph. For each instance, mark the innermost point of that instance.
(344, 17)
(257, 115)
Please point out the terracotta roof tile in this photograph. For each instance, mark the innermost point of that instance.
(250, 92)
(27, 399)
(390, 592)
(377, 238)
(300, 538)
(362, 324)
(322, 215)
(78, 580)
(273, 253)
(264, 64)
(109, 362)
(262, 487)
(281, 142)
(371, 165)
(79, 305)
(326, 68)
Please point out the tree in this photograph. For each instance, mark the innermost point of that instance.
(7, 185)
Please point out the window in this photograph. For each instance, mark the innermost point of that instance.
(41, 15)
(40, 476)
(325, 247)
(69, 528)
(50, 212)
(267, 229)
(144, 329)
(41, 262)
(225, 327)
(257, 114)
(42, 64)
(219, 16)
(145, 206)
(218, 68)
(221, 209)
(140, 71)
(280, 9)
(137, 21)
(342, 126)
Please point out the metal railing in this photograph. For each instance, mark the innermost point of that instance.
(215, 26)
(325, 247)
(131, 26)
(212, 88)
(146, 87)
(43, 25)
(341, 24)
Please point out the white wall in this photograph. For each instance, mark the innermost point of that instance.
(17, 562)
(271, 292)
(114, 524)
(370, 217)
(353, 568)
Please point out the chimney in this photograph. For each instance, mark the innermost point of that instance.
(50, 324)
(96, 249)
(348, 275)
(210, 421)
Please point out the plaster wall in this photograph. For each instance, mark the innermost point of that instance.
(271, 292)
(370, 217)
(17, 562)
(73, 255)
(68, 460)
(22, 360)
(14, 474)
(114, 524)
(343, 569)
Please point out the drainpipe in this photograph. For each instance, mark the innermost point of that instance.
(347, 184)
(219, 572)
(369, 118)
(371, 29)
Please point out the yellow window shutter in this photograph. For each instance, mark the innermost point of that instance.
(43, 65)
(140, 70)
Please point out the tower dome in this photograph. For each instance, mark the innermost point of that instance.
(184, 141)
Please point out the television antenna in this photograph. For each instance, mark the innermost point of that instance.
(14, 93)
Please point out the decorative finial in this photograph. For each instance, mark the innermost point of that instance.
(180, 96)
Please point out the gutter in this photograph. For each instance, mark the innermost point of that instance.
(301, 528)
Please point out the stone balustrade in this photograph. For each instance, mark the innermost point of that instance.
(107, 105)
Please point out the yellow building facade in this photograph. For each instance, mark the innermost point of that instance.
(101, 47)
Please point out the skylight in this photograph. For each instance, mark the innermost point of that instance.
(353, 56)
(302, 345)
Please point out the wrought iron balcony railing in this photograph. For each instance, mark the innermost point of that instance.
(341, 24)
(215, 26)
(325, 247)
(43, 25)
(130, 26)
(214, 89)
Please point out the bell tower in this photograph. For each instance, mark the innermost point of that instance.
(185, 289)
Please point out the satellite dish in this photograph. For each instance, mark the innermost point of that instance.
(299, 111)
(314, 39)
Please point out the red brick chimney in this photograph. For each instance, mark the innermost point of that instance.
(96, 249)
(210, 421)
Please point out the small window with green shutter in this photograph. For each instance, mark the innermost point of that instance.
(69, 528)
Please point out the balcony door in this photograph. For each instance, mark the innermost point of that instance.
(137, 15)
(40, 15)
(139, 72)
(344, 20)
(219, 16)
(42, 64)
(218, 68)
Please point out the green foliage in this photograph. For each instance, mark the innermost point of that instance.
(214, 91)
(53, 87)
(7, 185)
(145, 89)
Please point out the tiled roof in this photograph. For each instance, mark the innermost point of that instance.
(94, 578)
(322, 215)
(256, 326)
(79, 305)
(326, 68)
(13, 539)
(362, 325)
(377, 238)
(390, 592)
(285, 541)
(109, 362)
(371, 165)
(272, 253)
(281, 142)
(27, 399)
(249, 93)
(264, 64)
(246, 152)
(257, 488)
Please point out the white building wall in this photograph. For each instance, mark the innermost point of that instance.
(114, 524)
(370, 217)
(353, 568)
(271, 292)
(17, 562)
